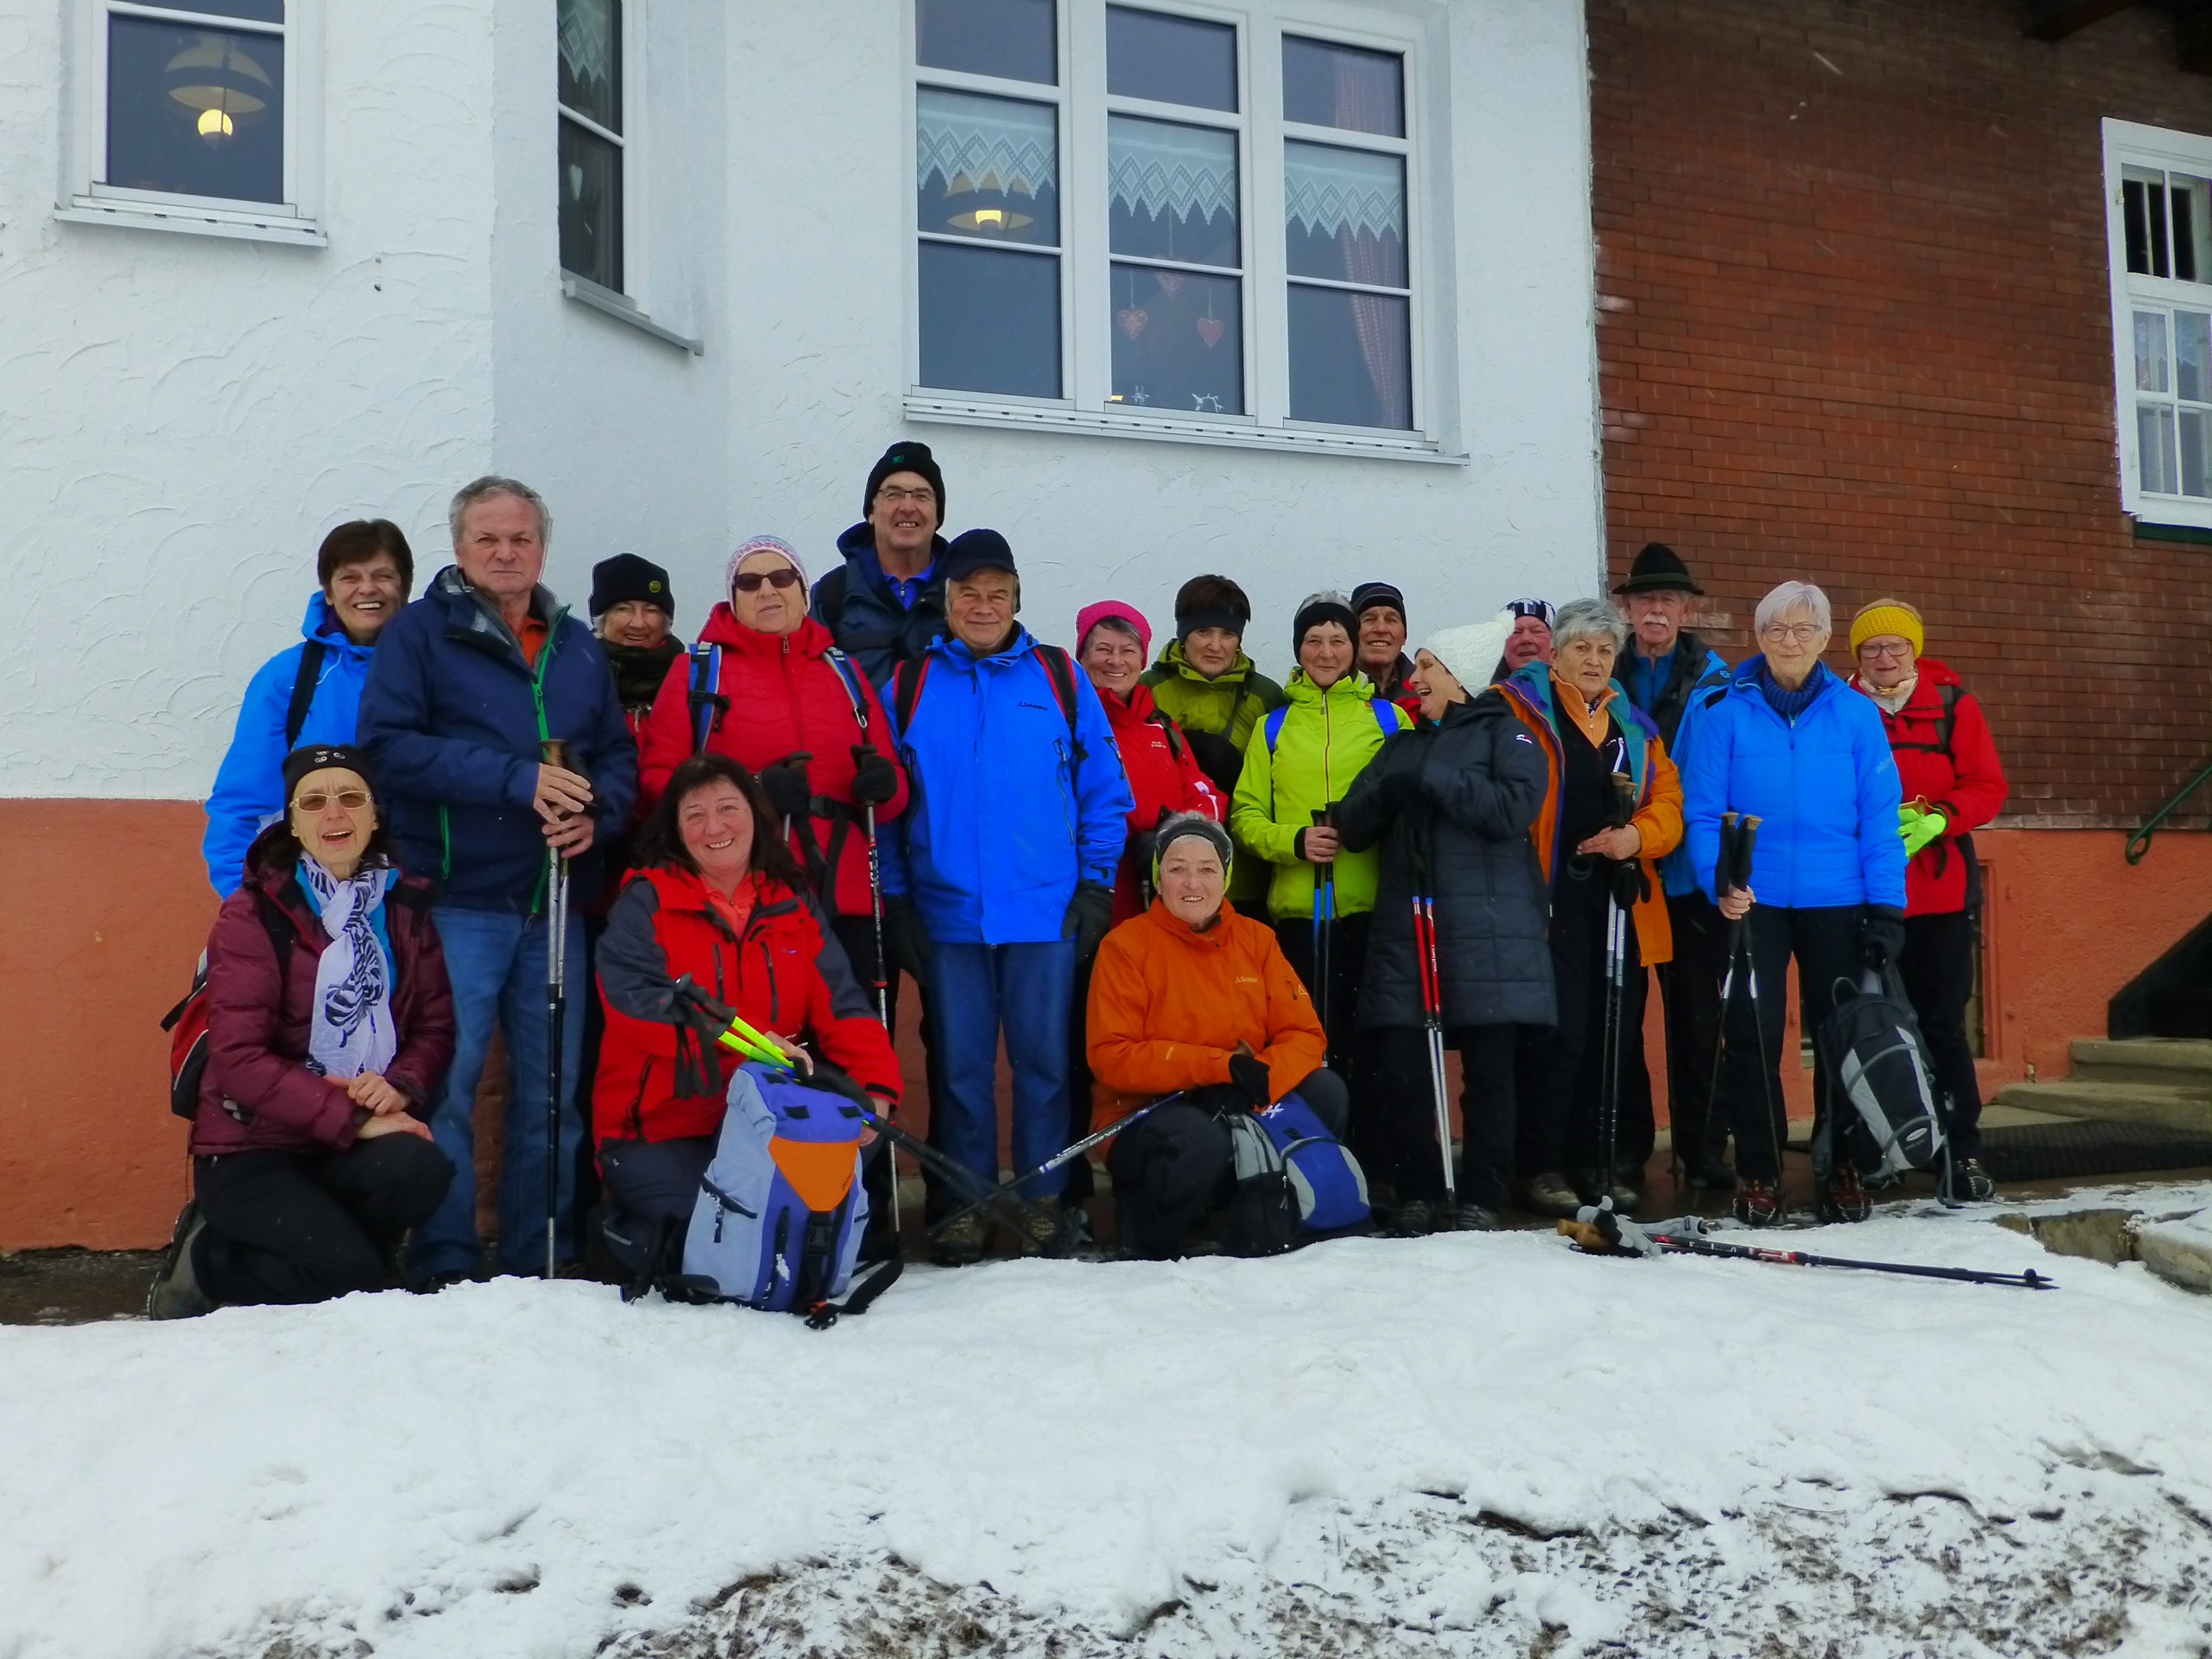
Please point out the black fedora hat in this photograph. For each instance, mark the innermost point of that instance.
(1658, 568)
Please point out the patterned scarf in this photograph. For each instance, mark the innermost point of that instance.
(350, 1030)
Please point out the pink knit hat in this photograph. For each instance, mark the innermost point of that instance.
(752, 544)
(1112, 610)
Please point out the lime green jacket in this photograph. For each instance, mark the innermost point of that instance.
(1230, 707)
(1326, 739)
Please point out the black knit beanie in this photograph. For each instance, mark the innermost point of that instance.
(1323, 608)
(626, 577)
(904, 456)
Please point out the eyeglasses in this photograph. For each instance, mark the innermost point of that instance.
(895, 497)
(1876, 649)
(780, 578)
(351, 800)
(1804, 633)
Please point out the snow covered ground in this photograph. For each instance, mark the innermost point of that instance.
(1465, 1445)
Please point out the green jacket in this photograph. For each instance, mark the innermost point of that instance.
(1214, 714)
(1326, 739)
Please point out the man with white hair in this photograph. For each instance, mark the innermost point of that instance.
(468, 685)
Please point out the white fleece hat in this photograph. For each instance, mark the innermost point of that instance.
(1471, 650)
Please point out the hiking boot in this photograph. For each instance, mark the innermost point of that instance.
(961, 1243)
(1415, 1217)
(1041, 1229)
(1624, 1196)
(1844, 1197)
(1708, 1174)
(1473, 1218)
(1759, 1203)
(175, 1292)
(1075, 1232)
(1970, 1183)
(1549, 1194)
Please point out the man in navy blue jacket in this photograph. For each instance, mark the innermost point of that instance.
(1006, 858)
(885, 603)
(467, 685)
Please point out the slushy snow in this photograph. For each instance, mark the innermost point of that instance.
(1466, 1445)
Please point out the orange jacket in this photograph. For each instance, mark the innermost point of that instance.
(1169, 1005)
(1657, 818)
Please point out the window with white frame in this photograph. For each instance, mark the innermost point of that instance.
(591, 145)
(2158, 188)
(184, 112)
(1158, 211)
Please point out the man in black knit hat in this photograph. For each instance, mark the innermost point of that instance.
(885, 603)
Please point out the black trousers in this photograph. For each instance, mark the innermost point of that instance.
(1168, 1169)
(1937, 969)
(1081, 1184)
(1690, 988)
(1350, 1048)
(1825, 943)
(1558, 1127)
(1406, 1121)
(297, 1227)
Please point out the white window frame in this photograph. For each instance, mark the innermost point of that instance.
(1086, 258)
(630, 145)
(2128, 144)
(82, 198)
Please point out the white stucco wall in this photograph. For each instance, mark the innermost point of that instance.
(181, 418)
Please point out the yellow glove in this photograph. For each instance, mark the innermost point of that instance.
(1918, 828)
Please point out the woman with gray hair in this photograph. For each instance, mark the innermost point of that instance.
(1612, 809)
(1788, 743)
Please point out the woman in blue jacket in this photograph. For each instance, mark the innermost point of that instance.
(1788, 744)
(308, 693)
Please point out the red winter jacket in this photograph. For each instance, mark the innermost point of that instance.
(662, 928)
(785, 696)
(1963, 781)
(1164, 775)
(258, 1020)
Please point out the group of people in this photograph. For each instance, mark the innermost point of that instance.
(1146, 875)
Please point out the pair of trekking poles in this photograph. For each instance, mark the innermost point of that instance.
(1732, 874)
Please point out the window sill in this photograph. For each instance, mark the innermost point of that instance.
(624, 309)
(953, 412)
(241, 226)
(2199, 535)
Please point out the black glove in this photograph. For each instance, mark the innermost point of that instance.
(1090, 917)
(875, 779)
(1248, 1074)
(1881, 935)
(788, 790)
(906, 941)
(1221, 760)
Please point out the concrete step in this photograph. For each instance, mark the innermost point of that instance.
(2174, 1062)
(2087, 1097)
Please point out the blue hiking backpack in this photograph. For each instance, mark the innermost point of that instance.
(1293, 1178)
(780, 1211)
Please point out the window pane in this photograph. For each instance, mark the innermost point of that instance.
(990, 320)
(1351, 358)
(2192, 355)
(1170, 60)
(591, 206)
(590, 59)
(2155, 447)
(1330, 86)
(1174, 190)
(196, 111)
(2150, 351)
(2143, 193)
(1178, 342)
(1346, 214)
(988, 167)
(2189, 203)
(259, 11)
(2196, 452)
(1012, 39)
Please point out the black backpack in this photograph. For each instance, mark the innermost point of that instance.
(1885, 1114)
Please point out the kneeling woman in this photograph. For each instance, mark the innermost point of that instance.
(329, 1026)
(717, 901)
(1191, 996)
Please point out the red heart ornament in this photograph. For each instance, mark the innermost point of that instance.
(1132, 320)
(1210, 330)
(1171, 282)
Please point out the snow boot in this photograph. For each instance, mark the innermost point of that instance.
(1969, 1184)
(1472, 1218)
(175, 1292)
(1415, 1217)
(1843, 1197)
(1759, 1204)
(1549, 1194)
(961, 1245)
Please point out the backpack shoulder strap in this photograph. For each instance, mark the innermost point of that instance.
(706, 688)
(277, 924)
(1275, 725)
(303, 691)
(1949, 722)
(844, 666)
(906, 692)
(1061, 671)
(1386, 715)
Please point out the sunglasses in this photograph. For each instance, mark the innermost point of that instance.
(351, 800)
(750, 581)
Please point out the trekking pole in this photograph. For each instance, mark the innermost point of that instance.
(1068, 1155)
(556, 753)
(1616, 987)
(2029, 1279)
(1324, 915)
(882, 974)
(1433, 1023)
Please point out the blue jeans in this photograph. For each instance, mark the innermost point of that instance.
(496, 961)
(1030, 990)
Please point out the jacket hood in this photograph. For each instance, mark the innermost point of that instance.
(320, 626)
(954, 649)
(857, 543)
(1746, 679)
(680, 889)
(1138, 707)
(1238, 672)
(468, 611)
(1213, 938)
(723, 628)
(1354, 687)
(1932, 674)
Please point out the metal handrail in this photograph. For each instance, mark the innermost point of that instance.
(2139, 842)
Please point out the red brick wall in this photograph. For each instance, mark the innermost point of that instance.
(1856, 329)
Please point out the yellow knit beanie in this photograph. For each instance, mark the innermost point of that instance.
(1886, 616)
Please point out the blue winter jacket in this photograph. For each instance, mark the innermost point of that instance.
(1706, 673)
(1004, 819)
(1826, 788)
(452, 718)
(856, 605)
(249, 785)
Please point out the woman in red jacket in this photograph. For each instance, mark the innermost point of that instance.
(791, 710)
(329, 1026)
(722, 904)
(1947, 762)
